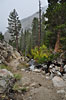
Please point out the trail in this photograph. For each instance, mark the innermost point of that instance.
(40, 87)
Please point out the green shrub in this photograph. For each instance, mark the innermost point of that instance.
(16, 87)
(24, 89)
(17, 76)
(2, 66)
(43, 54)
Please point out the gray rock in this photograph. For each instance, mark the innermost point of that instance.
(65, 68)
(4, 54)
(58, 82)
(64, 76)
(57, 68)
(51, 66)
(5, 78)
(17, 54)
(32, 67)
(60, 91)
(51, 75)
(58, 73)
(31, 62)
(0, 61)
(5, 73)
(8, 55)
(37, 70)
(2, 86)
(44, 66)
(53, 70)
(59, 60)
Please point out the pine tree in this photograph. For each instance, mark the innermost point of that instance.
(14, 26)
(35, 32)
(56, 23)
(1, 36)
(27, 42)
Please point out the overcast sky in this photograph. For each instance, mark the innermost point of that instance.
(24, 9)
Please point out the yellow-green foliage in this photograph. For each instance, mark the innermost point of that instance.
(41, 54)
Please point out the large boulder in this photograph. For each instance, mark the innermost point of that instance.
(6, 78)
(58, 82)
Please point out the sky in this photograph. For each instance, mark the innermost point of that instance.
(24, 9)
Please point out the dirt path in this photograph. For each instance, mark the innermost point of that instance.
(40, 87)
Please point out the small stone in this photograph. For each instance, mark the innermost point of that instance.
(37, 70)
(54, 70)
(52, 75)
(30, 98)
(32, 67)
(51, 66)
(57, 68)
(33, 84)
(43, 72)
(47, 77)
(65, 68)
(60, 91)
(58, 73)
(0, 61)
(22, 69)
(25, 81)
(65, 95)
(47, 74)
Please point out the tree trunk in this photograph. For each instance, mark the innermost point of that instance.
(57, 42)
(17, 42)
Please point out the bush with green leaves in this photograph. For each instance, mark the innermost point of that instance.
(41, 54)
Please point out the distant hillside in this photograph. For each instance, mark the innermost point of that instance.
(7, 36)
(26, 23)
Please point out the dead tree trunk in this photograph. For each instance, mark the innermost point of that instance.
(57, 42)
(39, 40)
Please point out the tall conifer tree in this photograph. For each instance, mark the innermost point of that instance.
(14, 26)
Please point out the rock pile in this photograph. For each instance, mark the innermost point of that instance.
(55, 70)
(9, 56)
(55, 67)
(6, 52)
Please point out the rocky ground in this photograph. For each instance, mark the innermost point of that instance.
(35, 86)
(41, 88)
(37, 82)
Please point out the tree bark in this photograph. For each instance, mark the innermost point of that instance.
(57, 42)
(17, 42)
